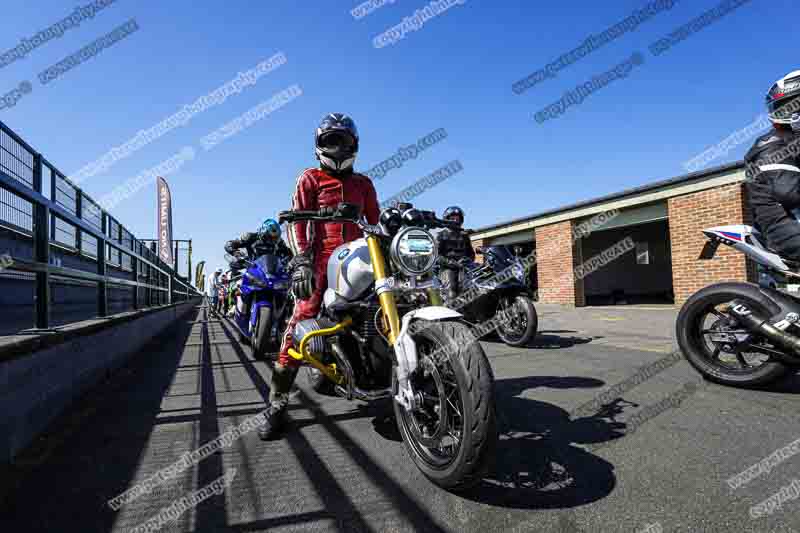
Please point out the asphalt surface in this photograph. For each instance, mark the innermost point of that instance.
(621, 467)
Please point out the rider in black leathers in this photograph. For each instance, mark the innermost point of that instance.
(455, 248)
(257, 245)
(266, 241)
(773, 170)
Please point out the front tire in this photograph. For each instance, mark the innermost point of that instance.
(706, 358)
(453, 363)
(259, 343)
(524, 322)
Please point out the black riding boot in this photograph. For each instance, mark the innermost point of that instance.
(784, 237)
(275, 414)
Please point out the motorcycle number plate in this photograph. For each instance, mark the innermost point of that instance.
(709, 250)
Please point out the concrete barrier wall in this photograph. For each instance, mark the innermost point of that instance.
(47, 373)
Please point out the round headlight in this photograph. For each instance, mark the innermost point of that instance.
(414, 251)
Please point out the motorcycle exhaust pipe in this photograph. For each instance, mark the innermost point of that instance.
(756, 323)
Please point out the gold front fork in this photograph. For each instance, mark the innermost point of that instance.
(386, 296)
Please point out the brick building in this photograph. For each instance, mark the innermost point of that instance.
(636, 246)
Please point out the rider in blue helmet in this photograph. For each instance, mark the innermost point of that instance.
(267, 240)
(270, 230)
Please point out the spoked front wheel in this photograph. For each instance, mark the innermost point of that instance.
(718, 346)
(451, 432)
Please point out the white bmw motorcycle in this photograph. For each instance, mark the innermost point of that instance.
(742, 334)
(373, 339)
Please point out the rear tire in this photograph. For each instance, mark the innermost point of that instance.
(259, 344)
(692, 346)
(475, 385)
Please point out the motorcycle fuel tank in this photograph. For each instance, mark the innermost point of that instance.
(349, 271)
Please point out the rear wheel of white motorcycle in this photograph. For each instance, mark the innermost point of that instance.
(522, 322)
(259, 343)
(728, 363)
(452, 435)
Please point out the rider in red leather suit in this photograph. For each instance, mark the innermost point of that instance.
(318, 188)
(312, 242)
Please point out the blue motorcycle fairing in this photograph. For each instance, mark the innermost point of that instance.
(262, 278)
(265, 273)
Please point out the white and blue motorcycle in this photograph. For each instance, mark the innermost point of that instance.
(742, 334)
(376, 338)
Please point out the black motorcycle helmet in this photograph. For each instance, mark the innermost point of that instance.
(336, 143)
(454, 214)
(783, 101)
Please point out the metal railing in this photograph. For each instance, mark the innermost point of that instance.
(93, 248)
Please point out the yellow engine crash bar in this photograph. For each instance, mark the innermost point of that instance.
(302, 354)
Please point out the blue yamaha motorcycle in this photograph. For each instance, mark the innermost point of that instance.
(265, 285)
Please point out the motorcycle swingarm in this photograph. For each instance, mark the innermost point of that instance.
(785, 304)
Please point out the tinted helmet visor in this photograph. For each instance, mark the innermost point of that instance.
(337, 142)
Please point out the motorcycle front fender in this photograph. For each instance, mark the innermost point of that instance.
(431, 313)
(406, 349)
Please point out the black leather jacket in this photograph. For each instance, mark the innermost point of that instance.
(454, 245)
(773, 172)
(257, 247)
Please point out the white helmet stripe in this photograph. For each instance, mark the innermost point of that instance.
(790, 168)
(336, 165)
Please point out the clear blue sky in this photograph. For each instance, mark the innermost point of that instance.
(454, 73)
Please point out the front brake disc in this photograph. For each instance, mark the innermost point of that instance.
(430, 439)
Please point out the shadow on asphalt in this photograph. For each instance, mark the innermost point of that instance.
(538, 465)
(337, 504)
(99, 453)
(551, 340)
(790, 384)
